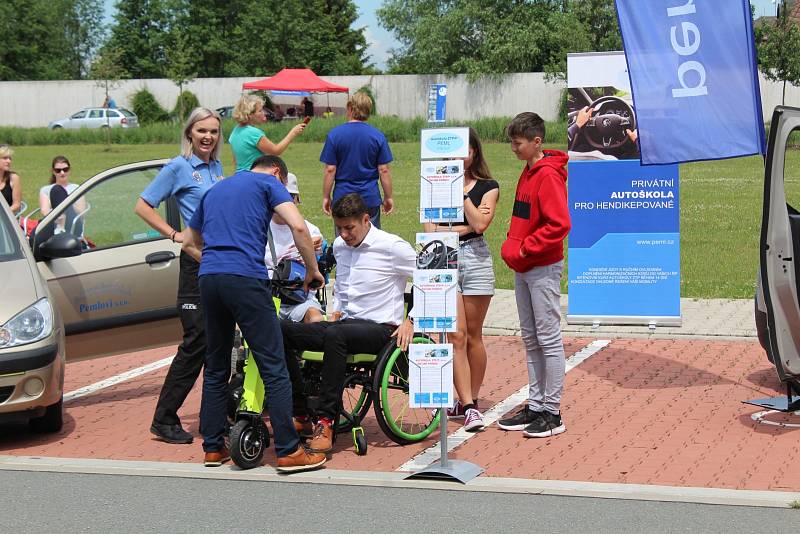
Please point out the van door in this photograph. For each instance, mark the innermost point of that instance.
(780, 250)
(118, 294)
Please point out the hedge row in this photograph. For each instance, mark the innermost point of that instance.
(396, 130)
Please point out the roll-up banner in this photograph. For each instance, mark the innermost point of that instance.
(624, 247)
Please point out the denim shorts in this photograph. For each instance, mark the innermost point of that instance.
(296, 312)
(475, 270)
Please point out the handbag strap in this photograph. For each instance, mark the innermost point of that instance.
(271, 246)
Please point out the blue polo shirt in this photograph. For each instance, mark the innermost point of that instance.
(233, 218)
(356, 148)
(187, 179)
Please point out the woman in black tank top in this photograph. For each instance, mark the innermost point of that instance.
(10, 185)
(476, 283)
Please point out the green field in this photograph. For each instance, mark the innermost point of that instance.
(720, 203)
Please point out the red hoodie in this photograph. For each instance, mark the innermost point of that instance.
(540, 221)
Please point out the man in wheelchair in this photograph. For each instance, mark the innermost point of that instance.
(368, 309)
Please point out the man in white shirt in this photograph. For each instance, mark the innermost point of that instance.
(372, 267)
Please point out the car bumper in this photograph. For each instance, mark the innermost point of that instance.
(30, 380)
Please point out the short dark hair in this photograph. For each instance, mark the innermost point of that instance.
(349, 206)
(272, 161)
(527, 125)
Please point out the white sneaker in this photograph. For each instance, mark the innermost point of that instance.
(473, 420)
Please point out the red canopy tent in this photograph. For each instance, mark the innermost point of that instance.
(296, 80)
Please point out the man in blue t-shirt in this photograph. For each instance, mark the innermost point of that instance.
(357, 155)
(228, 235)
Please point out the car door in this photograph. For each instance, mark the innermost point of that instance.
(76, 120)
(118, 292)
(780, 250)
(96, 118)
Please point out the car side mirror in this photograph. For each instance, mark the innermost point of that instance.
(63, 245)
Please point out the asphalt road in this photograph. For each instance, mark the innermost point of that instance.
(56, 502)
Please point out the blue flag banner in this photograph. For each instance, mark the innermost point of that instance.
(624, 247)
(692, 66)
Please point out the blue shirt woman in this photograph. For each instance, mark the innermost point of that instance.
(187, 177)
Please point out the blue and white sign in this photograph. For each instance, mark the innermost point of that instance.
(440, 143)
(693, 73)
(624, 247)
(437, 102)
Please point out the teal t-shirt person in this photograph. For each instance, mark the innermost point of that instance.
(244, 143)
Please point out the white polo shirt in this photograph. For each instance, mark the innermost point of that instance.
(371, 278)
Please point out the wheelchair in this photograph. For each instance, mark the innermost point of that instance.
(378, 381)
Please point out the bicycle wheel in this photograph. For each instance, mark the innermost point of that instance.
(398, 421)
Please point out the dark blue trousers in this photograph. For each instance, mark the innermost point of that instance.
(229, 300)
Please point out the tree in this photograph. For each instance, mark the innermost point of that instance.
(180, 67)
(82, 24)
(480, 38)
(108, 71)
(140, 35)
(777, 45)
(48, 40)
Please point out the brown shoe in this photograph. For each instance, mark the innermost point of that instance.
(300, 460)
(217, 458)
(322, 440)
(304, 427)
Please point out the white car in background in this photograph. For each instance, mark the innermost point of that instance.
(98, 118)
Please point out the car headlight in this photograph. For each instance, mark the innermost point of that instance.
(30, 325)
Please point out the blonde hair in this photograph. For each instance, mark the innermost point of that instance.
(246, 107)
(360, 106)
(197, 115)
(5, 150)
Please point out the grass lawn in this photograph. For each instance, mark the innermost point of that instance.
(720, 203)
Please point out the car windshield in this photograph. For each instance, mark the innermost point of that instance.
(126, 112)
(9, 242)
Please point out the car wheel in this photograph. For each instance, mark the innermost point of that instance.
(57, 127)
(51, 421)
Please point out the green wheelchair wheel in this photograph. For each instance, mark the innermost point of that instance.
(398, 421)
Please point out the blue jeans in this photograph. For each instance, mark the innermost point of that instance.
(229, 300)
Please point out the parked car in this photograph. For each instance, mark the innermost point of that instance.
(101, 271)
(777, 312)
(98, 118)
(31, 336)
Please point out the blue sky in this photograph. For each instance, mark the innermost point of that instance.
(378, 39)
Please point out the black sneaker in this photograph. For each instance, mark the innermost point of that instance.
(547, 425)
(519, 420)
(171, 433)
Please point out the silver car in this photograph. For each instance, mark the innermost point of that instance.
(94, 267)
(98, 118)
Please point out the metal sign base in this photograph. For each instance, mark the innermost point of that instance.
(458, 470)
(446, 469)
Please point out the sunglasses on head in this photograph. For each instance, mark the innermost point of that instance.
(61, 169)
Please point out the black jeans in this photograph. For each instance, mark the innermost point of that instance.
(335, 340)
(229, 300)
(185, 368)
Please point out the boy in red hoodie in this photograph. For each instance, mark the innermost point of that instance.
(534, 249)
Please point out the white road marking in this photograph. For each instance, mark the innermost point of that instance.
(116, 379)
(457, 438)
(641, 492)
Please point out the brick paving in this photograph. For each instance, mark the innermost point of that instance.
(648, 411)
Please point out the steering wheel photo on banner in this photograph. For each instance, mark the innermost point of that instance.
(606, 127)
(436, 255)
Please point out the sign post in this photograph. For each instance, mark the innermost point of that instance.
(435, 284)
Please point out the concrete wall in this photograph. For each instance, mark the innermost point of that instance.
(37, 103)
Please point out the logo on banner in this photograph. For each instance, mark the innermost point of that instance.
(444, 143)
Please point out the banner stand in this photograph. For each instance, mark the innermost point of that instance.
(447, 469)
